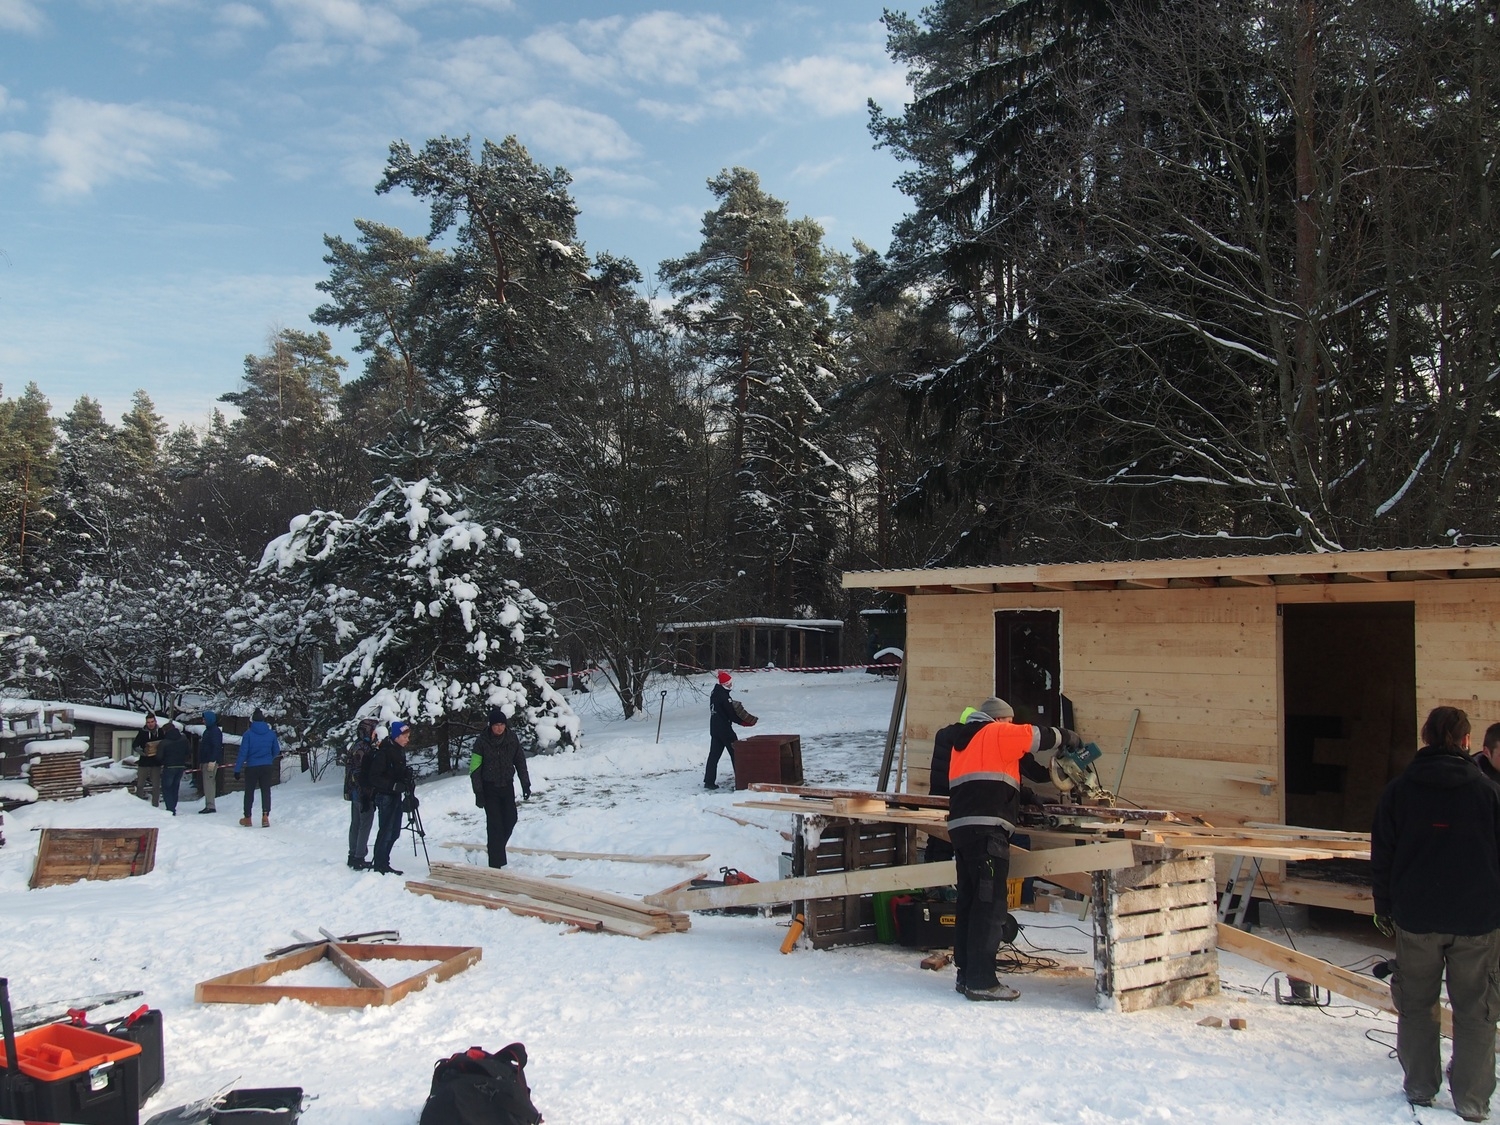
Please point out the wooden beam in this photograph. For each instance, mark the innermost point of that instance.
(1023, 864)
(352, 969)
(614, 857)
(974, 587)
(1365, 576)
(1250, 579)
(1060, 587)
(1144, 583)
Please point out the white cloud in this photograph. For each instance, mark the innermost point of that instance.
(568, 131)
(658, 48)
(20, 15)
(447, 86)
(89, 144)
(831, 85)
(241, 17)
(324, 29)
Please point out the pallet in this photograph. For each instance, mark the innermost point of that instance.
(66, 855)
(57, 776)
(844, 845)
(1155, 936)
(256, 984)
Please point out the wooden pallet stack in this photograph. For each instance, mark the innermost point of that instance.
(1155, 933)
(548, 899)
(56, 771)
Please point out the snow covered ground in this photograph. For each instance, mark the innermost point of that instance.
(712, 1025)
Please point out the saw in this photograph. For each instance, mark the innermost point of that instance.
(1073, 772)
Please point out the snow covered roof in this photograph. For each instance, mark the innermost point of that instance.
(777, 622)
(84, 713)
(1237, 570)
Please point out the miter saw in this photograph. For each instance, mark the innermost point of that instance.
(1073, 773)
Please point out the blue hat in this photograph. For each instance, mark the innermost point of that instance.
(209, 718)
(396, 728)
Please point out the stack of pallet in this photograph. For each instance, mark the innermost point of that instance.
(548, 899)
(56, 769)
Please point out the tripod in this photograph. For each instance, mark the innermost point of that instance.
(414, 826)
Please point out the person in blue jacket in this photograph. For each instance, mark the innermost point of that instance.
(210, 755)
(257, 759)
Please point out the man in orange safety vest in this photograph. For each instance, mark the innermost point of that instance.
(984, 781)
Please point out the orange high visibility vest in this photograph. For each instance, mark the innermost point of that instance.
(994, 754)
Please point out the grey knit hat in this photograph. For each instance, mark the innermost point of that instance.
(997, 708)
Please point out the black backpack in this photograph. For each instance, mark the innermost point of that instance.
(475, 1087)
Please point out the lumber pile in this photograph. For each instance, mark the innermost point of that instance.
(549, 900)
(56, 768)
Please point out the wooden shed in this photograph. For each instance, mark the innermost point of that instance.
(754, 642)
(1272, 688)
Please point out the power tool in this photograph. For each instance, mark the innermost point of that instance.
(1074, 770)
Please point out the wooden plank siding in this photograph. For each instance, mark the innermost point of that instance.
(1204, 665)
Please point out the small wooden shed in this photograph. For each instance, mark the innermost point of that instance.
(1273, 688)
(754, 642)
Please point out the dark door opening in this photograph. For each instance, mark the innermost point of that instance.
(1349, 680)
(1028, 665)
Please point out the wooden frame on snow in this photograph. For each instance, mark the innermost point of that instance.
(66, 855)
(256, 985)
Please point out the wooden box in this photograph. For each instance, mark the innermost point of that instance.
(846, 845)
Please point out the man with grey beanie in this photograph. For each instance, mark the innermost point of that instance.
(984, 782)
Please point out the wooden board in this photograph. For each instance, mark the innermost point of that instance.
(614, 857)
(566, 899)
(256, 984)
(66, 855)
(1023, 864)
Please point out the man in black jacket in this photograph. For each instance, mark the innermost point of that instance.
(174, 752)
(1435, 873)
(721, 720)
(360, 796)
(496, 762)
(390, 779)
(147, 747)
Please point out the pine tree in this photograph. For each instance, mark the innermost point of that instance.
(408, 606)
(753, 299)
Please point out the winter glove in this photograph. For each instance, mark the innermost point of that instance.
(525, 794)
(1071, 740)
(478, 799)
(1383, 924)
(1028, 796)
(236, 775)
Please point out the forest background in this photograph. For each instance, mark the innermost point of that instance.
(1177, 278)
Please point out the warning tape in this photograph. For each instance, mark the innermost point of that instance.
(892, 665)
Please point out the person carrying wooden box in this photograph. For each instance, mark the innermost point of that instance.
(984, 782)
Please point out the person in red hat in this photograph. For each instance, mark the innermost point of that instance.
(721, 720)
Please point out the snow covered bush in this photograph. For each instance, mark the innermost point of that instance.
(403, 611)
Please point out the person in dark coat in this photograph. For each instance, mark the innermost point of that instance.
(174, 752)
(210, 755)
(495, 763)
(146, 747)
(260, 750)
(1435, 878)
(390, 781)
(360, 796)
(721, 719)
(1488, 758)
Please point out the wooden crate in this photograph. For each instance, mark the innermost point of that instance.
(1155, 931)
(846, 845)
(66, 855)
(774, 759)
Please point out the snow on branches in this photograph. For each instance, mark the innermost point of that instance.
(406, 613)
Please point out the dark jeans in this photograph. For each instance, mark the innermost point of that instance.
(983, 861)
(388, 809)
(1472, 965)
(716, 748)
(171, 782)
(499, 822)
(259, 777)
(361, 817)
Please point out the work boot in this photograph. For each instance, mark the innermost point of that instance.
(202, 811)
(387, 871)
(359, 864)
(1000, 991)
(244, 822)
(710, 785)
(265, 820)
(958, 983)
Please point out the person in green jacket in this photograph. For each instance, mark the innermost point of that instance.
(497, 760)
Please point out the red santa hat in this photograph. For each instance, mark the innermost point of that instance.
(724, 678)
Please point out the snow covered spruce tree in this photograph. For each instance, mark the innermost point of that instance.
(406, 610)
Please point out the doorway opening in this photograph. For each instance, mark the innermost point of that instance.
(1349, 681)
(1028, 664)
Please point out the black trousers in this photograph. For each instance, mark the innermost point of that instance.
(716, 748)
(259, 777)
(499, 822)
(982, 857)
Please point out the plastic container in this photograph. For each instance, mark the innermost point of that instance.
(142, 1026)
(276, 1105)
(1013, 893)
(76, 1075)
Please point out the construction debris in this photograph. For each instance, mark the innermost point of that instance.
(256, 984)
(578, 906)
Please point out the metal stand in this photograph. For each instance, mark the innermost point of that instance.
(414, 826)
(1236, 897)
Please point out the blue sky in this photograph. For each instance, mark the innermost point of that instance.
(168, 167)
